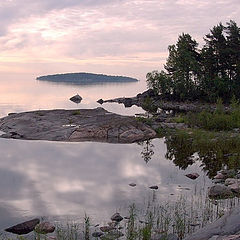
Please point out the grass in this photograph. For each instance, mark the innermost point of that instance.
(76, 112)
(180, 217)
(219, 120)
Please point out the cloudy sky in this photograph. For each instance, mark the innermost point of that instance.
(127, 37)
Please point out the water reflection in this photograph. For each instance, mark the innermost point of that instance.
(62, 179)
(214, 153)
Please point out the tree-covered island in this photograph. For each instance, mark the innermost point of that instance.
(85, 78)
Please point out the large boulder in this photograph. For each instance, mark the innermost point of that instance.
(225, 226)
(75, 125)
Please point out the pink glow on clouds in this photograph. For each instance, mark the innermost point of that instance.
(120, 36)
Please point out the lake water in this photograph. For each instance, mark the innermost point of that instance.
(66, 180)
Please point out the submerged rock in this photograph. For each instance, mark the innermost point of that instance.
(116, 217)
(24, 227)
(44, 228)
(76, 99)
(97, 234)
(75, 125)
(132, 184)
(112, 235)
(107, 228)
(193, 176)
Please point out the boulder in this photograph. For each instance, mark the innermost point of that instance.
(24, 227)
(154, 187)
(220, 191)
(222, 229)
(44, 228)
(76, 99)
(75, 126)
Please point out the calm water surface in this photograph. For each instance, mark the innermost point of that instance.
(65, 180)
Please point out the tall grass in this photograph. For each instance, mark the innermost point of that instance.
(217, 120)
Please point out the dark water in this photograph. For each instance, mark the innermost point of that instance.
(67, 180)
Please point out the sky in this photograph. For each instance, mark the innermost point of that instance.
(123, 37)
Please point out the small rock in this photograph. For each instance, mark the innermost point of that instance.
(112, 224)
(154, 187)
(235, 188)
(100, 101)
(44, 228)
(230, 181)
(220, 176)
(97, 234)
(24, 228)
(116, 217)
(220, 191)
(76, 99)
(112, 235)
(192, 176)
(106, 228)
(132, 184)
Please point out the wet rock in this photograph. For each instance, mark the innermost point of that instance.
(97, 234)
(112, 235)
(116, 217)
(24, 227)
(107, 228)
(132, 184)
(76, 99)
(154, 187)
(220, 191)
(44, 228)
(164, 236)
(192, 176)
(100, 101)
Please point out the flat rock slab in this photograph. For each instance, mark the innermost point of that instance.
(75, 125)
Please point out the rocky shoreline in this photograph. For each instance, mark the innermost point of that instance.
(74, 126)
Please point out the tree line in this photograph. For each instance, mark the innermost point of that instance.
(208, 74)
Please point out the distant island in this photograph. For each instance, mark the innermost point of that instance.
(85, 78)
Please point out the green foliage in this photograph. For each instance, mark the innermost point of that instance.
(216, 150)
(76, 112)
(208, 74)
(218, 120)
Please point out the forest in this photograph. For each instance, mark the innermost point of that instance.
(205, 74)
